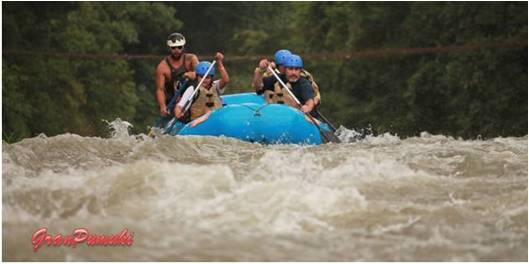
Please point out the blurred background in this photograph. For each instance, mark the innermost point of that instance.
(456, 69)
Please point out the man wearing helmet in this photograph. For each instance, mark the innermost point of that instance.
(299, 86)
(263, 81)
(207, 97)
(174, 73)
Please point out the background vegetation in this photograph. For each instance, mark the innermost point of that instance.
(480, 91)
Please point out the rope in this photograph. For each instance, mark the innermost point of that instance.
(340, 55)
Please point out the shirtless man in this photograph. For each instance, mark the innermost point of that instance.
(174, 74)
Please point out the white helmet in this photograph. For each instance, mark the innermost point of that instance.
(176, 39)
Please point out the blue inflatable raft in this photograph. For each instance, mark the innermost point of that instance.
(246, 116)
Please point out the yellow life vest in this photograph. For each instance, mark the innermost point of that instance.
(268, 73)
(315, 88)
(207, 100)
(283, 97)
(269, 95)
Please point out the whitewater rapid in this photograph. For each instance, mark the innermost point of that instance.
(427, 198)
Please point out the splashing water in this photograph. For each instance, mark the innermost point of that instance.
(351, 135)
(118, 128)
(381, 198)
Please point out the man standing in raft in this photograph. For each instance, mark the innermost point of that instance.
(174, 74)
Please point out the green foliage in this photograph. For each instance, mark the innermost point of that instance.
(15, 113)
(461, 94)
(249, 40)
(60, 95)
(480, 92)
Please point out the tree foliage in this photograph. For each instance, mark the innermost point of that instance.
(55, 95)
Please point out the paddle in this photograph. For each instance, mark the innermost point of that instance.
(170, 106)
(181, 86)
(329, 137)
(326, 120)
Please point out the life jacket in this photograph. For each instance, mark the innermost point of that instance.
(283, 97)
(268, 94)
(177, 85)
(315, 88)
(206, 100)
(305, 74)
(268, 74)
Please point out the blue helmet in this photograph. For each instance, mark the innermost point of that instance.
(294, 61)
(281, 55)
(203, 67)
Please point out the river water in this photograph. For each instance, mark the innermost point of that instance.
(385, 198)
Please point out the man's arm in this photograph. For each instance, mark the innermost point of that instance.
(308, 106)
(160, 93)
(225, 78)
(257, 81)
(307, 96)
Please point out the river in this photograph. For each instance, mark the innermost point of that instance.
(385, 198)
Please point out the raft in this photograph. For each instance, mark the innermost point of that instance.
(247, 116)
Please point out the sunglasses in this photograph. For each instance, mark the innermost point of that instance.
(177, 47)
